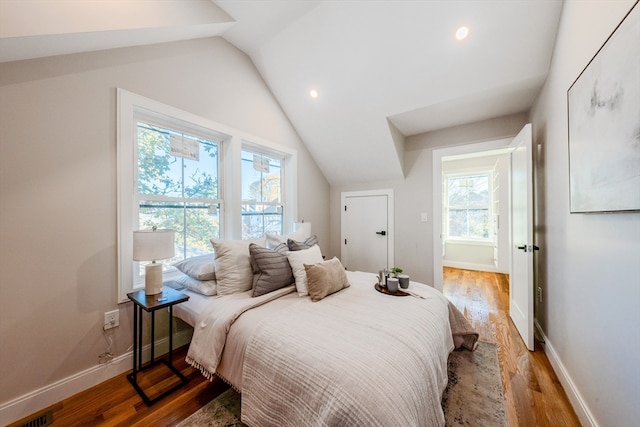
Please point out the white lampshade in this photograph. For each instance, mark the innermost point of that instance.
(304, 226)
(152, 245)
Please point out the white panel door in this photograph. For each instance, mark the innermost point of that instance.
(365, 232)
(521, 277)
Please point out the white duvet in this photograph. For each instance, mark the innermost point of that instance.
(356, 358)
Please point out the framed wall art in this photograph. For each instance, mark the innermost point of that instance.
(604, 125)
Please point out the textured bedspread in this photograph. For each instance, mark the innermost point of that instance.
(210, 331)
(356, 358)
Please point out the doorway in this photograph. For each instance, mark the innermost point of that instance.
(495, 147)
(521, 247)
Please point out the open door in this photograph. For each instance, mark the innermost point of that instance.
(521, 284)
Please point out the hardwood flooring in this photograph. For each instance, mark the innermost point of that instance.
(533, 394)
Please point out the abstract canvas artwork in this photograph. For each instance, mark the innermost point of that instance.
(604, 125)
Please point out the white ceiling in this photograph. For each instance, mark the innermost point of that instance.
(384, 69)
(380, 62)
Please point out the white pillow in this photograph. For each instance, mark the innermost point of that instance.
(233, 268)
(274, 240)
(204, 287)
(297, 260)
(199, 267)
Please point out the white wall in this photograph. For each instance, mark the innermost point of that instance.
(589, 265)
(58, 190)
(414, 238)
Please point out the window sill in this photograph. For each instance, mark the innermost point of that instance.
(469, 242)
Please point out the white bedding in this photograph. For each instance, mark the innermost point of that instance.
(406, 337)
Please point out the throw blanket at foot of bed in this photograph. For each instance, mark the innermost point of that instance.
(356, 358)
(210, 332)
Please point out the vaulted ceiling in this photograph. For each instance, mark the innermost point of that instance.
(383, 69)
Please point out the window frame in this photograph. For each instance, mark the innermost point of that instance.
(262, 150)
(229, 191)
(489, 206)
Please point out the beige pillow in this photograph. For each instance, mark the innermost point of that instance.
(232, 265)
(325, 278)
(199, 267)
(204, 287)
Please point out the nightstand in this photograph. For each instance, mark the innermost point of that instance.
(151, 303)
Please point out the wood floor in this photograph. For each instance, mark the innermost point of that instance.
(533, 394)
(532, 391)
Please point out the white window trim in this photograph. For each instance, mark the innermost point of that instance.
(229, 170)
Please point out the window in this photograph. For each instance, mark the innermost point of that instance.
(262, 206)
(467, 209)
(178, 186)
(202, 179)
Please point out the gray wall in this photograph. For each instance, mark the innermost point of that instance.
(589, 265)
(58, 189)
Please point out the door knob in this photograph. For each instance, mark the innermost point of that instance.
(382, 233)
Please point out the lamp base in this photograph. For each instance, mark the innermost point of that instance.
(153, 279)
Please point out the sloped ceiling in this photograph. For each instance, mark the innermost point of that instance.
(384, 69)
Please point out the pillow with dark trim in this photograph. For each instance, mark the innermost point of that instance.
(271, 269)
(298, 246)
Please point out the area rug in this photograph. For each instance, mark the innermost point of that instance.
(473, 396)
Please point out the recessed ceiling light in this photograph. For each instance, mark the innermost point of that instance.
(462, 33)
(313, 93)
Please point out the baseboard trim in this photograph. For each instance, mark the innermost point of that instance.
(470, 266)
(578, 403)
(53, 393)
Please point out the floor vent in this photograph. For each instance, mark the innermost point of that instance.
(41, 419)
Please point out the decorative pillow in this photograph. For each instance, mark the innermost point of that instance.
(204, 287)
(199, 267)
(274, 240)
(271, 268)
(297, 260)
(298, 246)
(233, 268)
(325, 278)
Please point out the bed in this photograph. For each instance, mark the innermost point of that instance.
(355, 357)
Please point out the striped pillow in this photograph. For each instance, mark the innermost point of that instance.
(271, 269)
(299, 246)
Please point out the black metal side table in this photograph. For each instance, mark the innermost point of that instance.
(151, 303)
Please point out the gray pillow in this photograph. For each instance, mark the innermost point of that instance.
(271, 270)
(298, 246)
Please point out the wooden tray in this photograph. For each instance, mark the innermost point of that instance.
(385, 290)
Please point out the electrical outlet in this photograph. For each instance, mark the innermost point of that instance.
(539, 295)
(111, 319)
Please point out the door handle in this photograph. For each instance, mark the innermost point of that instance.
(382, 233)
(526, 248)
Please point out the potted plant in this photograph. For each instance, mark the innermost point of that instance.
(395, 271)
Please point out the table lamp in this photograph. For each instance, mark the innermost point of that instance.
(153, 245)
